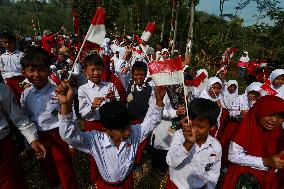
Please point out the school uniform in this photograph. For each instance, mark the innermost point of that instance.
(273, 75)
(11, 170)
(43, 106)
(11, 71)
(86, 95)
(251, 143)
(196, 168)
(114, 164)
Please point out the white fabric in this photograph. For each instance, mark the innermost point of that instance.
(203, 84)
(86, 95)
(10, 64)
(114, 164)
(228, 98)
(10, 108)
(161, 133)
(242, 103)
(211, 81)
(273, 75)
(238, 156)
(191, 169)
(96, 34)
(172, 78)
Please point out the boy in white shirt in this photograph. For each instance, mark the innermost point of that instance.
(115, 148)
(194, 157)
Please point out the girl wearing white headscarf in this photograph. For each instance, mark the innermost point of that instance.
(213, 89)
(276, 79)
(230, 93)
(245, 101)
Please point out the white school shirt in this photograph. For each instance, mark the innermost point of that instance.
(86, 95)
(195, 168)
(161, 134)
(10, 64)
(10, 109)
(114, 164)
(238, 155)
(42, 106)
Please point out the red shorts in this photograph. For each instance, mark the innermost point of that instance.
(127, 183)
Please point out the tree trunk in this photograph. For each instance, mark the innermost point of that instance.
(175, 30)
(163, 28)
(191, 24)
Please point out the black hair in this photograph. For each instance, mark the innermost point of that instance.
(139, 65)
(36, 57)
(114, 115)
(9, 36)
(204, 109)
(92, 59)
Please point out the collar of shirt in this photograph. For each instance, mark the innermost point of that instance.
(93, 85)
(43, 90)
(106, 142)
(206, 145)
(15, 52)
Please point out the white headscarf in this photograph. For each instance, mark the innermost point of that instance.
(228, 98)
(202, 85)
(273, 75)
(244, 102)
(211, 81)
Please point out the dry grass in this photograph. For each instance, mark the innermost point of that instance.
(150, 178)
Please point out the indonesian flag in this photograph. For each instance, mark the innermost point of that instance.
(268, 89)
(97, 31)
(139, 41)
(197, 81)
(168, 72)
(150, 27)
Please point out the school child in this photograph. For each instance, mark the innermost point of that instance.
(230, 93)
(41, 104)
(194, 157)
(257, 146)
(10, 66)
(115, 148)
(276, 79)
(11, 170)
(92, 96)
(244, 102)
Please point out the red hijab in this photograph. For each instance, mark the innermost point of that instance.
(252, 137)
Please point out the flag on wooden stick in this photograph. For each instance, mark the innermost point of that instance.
(168, 72)
(150, 27)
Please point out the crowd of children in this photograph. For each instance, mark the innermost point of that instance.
(203, 135)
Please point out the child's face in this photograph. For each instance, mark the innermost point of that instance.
(271, 122)
(202, 127)
(278, 81)
(139, 77)
(232, 88)
(11, 45)
(94, 73)
(37, 76)
(253, 95)
(119, 135)
(215, 90)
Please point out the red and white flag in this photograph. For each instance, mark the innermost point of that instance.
(268, 89)
(150, 27)
(197, 81)
(168, 72)
(97, 31)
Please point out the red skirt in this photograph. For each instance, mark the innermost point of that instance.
(90, 126)
(13, 83)
(11, 171)
(57, 165)
(266, 179)
(127, 183)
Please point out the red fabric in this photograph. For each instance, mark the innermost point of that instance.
(106, 75)
(11, 170)
(55, 79)
(196, 82)
(57, 165)
(252, 68)
(93, 169)
(75, 22)
(99, 18)
(243, 64)
(47, 42)
(13, 83)
(170, 184)
(257, 142)
(127, 183)
(121, 90)
(217, 132)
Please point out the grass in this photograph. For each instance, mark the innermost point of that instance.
(150, 178)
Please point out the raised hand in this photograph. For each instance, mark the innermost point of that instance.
(160, 92)
(64, 93)
(189, 133)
